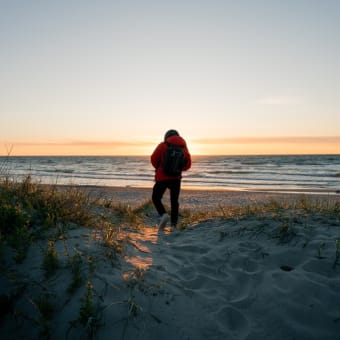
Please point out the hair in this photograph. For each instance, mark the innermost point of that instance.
(171, 132)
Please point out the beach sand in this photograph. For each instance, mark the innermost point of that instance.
(254, 276)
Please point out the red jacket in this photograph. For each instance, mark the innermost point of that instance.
(157, 157)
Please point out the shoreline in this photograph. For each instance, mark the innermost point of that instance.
(307, 191)
(195, 199)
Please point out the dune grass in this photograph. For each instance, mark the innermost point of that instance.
(27, 210)
(288, 210)
(31, 213)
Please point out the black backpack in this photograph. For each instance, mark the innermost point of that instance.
(174, 160)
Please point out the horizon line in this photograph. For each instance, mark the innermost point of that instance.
(192, 154)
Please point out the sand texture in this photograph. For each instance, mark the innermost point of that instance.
(271, 274)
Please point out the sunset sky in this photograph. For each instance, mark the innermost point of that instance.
(110, 77)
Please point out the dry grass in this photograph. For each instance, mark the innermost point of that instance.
(283, 210)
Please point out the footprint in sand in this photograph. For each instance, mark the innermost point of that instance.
(244, 295)
(320, 267)
(245, 264)
(232, 322)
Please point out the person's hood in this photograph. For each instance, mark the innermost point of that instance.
(176, 140)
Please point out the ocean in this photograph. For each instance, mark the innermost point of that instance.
(305, 173)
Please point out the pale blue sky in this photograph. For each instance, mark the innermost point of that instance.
(74, 73)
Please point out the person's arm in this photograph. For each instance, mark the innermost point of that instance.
(188, 159)
(156, 156)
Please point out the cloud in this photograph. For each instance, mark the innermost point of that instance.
(279, 100)
(76, 147)
(266, 140)
(81, 143)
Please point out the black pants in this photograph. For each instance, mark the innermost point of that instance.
(174, 185)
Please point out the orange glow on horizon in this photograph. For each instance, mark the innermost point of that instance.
(208, 146)
(76, 148)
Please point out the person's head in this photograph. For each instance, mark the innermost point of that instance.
(170, 133)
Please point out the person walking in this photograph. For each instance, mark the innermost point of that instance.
(165, 179)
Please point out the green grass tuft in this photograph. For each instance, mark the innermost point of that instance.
(50, 262)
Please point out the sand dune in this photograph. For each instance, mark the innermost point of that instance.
(249, 278)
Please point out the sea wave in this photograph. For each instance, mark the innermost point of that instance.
(250, 172)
